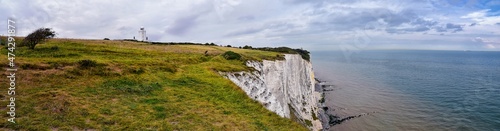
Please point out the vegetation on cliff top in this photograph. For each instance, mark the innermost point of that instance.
(304, 53)
(125, 85)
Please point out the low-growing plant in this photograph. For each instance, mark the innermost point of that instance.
(139, 70)
(54, 48)
(55, 65)
(28, 66)
(87, 63)
(229, 55)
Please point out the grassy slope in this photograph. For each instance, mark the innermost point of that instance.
(135, 86)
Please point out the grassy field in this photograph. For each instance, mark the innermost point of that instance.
(132, 86)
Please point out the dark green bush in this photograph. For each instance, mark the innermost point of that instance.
(54, 48)
(87, 63)
(229, 55)
(54, 65)
(28, 66)
(139, 70)
(168, 68)
(247, 47)
(3, 41)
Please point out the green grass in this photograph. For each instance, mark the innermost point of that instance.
(122, 85)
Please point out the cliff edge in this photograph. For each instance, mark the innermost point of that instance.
(286, 87)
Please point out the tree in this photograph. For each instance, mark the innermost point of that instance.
(247, 47)
(37, 37)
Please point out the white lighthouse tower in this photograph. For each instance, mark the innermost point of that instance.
(142, 33)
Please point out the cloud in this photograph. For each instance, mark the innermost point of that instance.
(222, 7)
(449, 27)
(482, 17)
(301, 1)
(260, 22)
(485, 43)
(181, 25)
(244, 31)
(342, 18)
(490, 46)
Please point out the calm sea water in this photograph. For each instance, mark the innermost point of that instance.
(413, 90)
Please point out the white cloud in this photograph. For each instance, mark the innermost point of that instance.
(489, 44)
(481, 17)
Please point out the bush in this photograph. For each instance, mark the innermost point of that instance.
(139, 70)
(3, 41)
(229, 55)
(247, 47)
(55, 65)
(87, 63)
(33, 66)
(106, 38)
(54, 48)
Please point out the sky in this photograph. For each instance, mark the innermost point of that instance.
(309, 24)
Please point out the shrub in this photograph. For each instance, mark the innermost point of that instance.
(27, 66)
(247, 47)
(229, 55)
(314, 116)
(54, 64)
(139, 70)
(87, 63)
(308, 123)
(54, 48)
(3, 41)
(106, 38)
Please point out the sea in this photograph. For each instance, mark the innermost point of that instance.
(406, 90)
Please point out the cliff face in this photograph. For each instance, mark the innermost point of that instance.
(286, 87)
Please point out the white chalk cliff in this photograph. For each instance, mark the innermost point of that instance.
(286, 87)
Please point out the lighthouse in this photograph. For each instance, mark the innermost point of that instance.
(142, 33)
